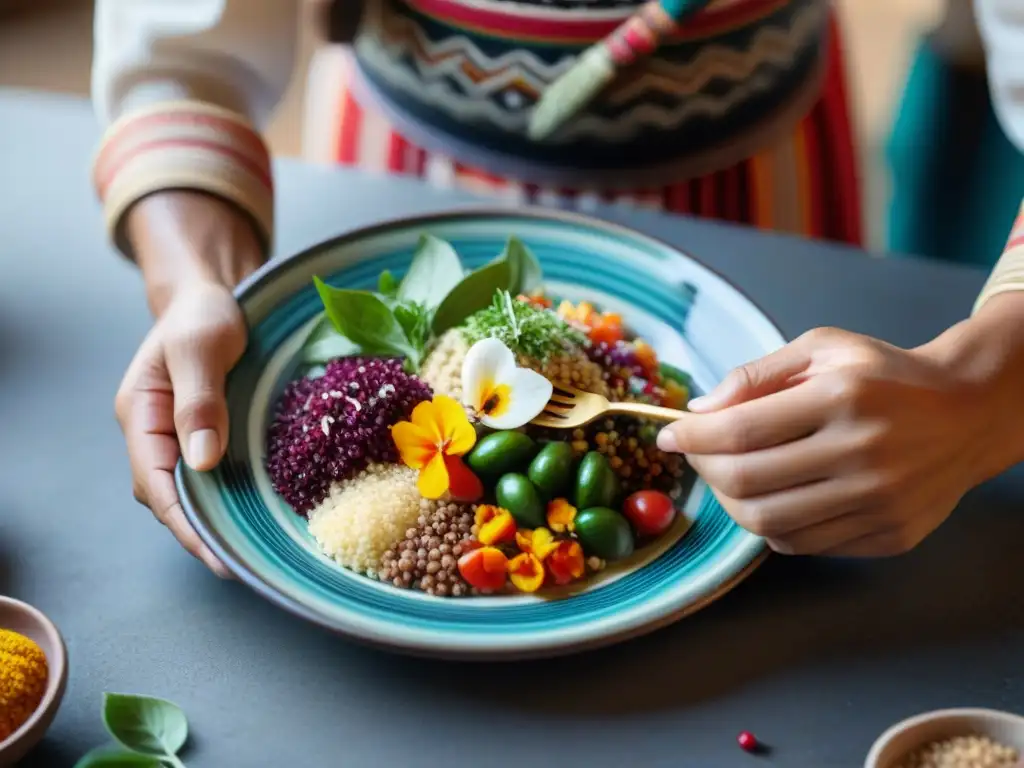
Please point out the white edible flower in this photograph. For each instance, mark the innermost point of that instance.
(501, 394)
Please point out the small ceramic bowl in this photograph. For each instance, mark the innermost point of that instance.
(26, 620)
(906, 736)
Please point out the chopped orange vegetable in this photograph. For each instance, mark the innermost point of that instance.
(566, 563)
(606, 328)
(561, 516)
(484, 568)
(582, 314)
(526, 572)
(539, 542)
(676, 395)
(537, 300)
(647, 358)
(494, 525)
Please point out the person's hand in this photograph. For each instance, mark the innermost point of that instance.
(843, 445)
(171, 401)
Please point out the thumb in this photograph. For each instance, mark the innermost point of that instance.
(198, 368)
(758, 378)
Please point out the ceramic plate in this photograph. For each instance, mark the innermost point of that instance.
(696, 321)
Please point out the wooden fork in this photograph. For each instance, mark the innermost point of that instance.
(570, 408)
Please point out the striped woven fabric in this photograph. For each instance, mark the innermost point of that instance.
(183, 145)
(807, 183)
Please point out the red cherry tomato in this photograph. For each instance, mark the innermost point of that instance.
(650, 512)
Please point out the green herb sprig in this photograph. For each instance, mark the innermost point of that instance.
(530, 331)
(149, 732)
(401, 319)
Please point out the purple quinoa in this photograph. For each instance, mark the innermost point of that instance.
(330, 428)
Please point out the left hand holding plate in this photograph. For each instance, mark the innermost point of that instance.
(840, 444)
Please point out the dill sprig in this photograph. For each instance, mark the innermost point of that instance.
(527, 330)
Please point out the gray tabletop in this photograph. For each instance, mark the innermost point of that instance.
(816, 657)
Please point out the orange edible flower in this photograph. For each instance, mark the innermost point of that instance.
(526, 572)
(539, 542)
(561, 516)
(433, 441)
(494, 525)
(566, 562)
(484, 568)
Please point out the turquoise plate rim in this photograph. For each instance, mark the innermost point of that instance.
(253, 285)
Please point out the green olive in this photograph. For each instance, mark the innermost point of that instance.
(501, 452)
(551, 469)
(605, 533)
(596, 482)
(519, 496)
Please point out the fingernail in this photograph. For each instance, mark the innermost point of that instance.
(203, 449)
(697, 403)
(667, 441)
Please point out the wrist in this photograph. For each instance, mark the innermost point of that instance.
(985, 357)
(181, 238)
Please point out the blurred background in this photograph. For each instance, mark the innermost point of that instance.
(46, 44)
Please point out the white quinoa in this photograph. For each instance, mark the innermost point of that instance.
(962, 752)
(442, 369)
(363, 517)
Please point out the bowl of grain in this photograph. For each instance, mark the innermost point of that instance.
(33, 675)
(952, 738)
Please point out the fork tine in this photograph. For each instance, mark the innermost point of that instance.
(557, 410)
(550, 422)
(556, 398)
(565, 391)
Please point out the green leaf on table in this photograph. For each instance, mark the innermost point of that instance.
(365, 320)
(145, 724)
(526, 273)
(325, 344)
(113, 757)
(387, 285)
(473, 293)
(435, 270)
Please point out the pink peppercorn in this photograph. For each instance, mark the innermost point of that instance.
(747, 741)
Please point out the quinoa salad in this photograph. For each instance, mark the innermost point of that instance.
(408, 443)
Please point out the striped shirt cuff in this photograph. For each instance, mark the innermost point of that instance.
(186, 145)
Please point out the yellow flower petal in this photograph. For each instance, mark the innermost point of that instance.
(426, 418)
(415, 444)
(433, 479)
(457, 433)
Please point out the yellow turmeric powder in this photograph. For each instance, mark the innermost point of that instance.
(23, 674)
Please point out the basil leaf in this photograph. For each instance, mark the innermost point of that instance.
(387, 285)
(475, 292)
(325, 344)
(367, 321)
(435, 270)
(415, 321)
(145, 724)
(112, 757)
(527, 274)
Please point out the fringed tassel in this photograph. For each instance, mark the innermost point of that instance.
(637, 37)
